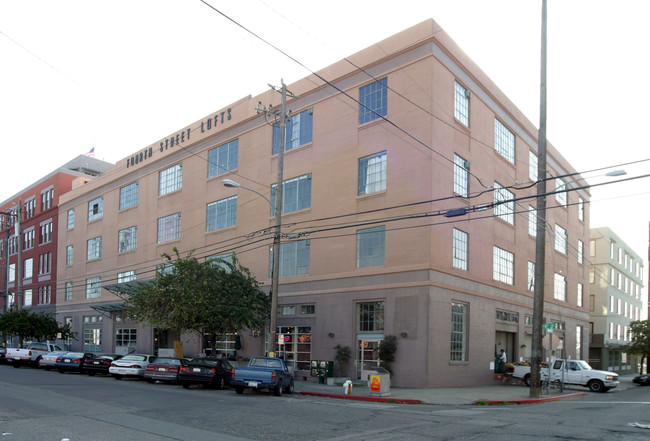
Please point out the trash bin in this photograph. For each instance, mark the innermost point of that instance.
(379, 382)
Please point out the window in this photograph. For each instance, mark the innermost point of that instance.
(581, 249)
(12, 245)
(461, 176)
(531, 276)
(295, 346)
(129, 196)
(298, 131)
(288, 310)
(296, 194)
(69, 255)
(532, 221)
(294, 258)
(223, 158)
(461, 103)
(561, 240)
(126, 338)
(581, 209)
(532, 165)
(95, 209)
(126, 276)
(503, 266)
(27, 297)
(372, 173)
(29, 268)
(592, 248)
(504, 141)
(70, 219)
(579, 297)
(44, 295)
(93, 340)
(29, 239)
(45, 266)
(169, 228)
(308, 309)
(559, 287)
(68, 291)
(94, 248)
(127, 239)
(502, 209)
(370, 317)
(458, 350)
(170, 179)
(373, 101)
(47, 199)
(371, 247)
(222, 260)
(30, 208)
(93, 287)
(221, 214)
(460, 245)
(46, 232)
(561, 189)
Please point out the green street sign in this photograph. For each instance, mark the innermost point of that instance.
(548, 325)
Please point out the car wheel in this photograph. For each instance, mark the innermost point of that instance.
(117, 377)
(61, 371)
(277, 390)
(16, 365)
(47, 368)
(91, 373)
(289, 388)
(596, 386)
(221, 383)
(239, 389)
(186, 385)
(527, 379)
(151, 380)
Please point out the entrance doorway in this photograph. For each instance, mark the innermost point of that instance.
(367, 357)
(506, 341)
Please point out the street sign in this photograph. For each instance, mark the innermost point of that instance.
(548, 326)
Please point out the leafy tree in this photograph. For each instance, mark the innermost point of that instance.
(387, 349)
(28, 325)
(640, 340)
(343, 355)
(213, 297)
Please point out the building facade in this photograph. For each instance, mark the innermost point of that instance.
(29, 258)
(404, 214)
(615, 300)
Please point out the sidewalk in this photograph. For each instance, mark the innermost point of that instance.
(495, 394)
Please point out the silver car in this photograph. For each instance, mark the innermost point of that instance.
(47, 361)
(132, 365)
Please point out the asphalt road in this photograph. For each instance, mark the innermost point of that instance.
(37, 405)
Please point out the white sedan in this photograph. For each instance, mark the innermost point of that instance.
(132, 365)
(47, 361)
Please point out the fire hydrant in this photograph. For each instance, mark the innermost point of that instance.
(347, 387)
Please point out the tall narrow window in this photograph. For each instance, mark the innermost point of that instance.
(561, 195)
(579, 299)
(461, 176)
(460, 249)
(504, 141)
(532, 165)
(170, 179)
(69, 255)
(581, 250)
(372, 173)
(70, 219)
(532, 221)
(559, 287)
(531, 276)
(68, 291)
(127, 239)
(371, 247)
(581, 209)
(504, 205)
(296, 194)
(169, 228)
(503, 266)
(93, 287)
(94, 248)
(458, 350)
(298, 131)
(129, 196)
(221, 214)
(223, 158)
(561, 240)
(96, 209)
(461, 103)
(373, 101)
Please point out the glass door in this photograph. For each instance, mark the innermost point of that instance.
(367, 357)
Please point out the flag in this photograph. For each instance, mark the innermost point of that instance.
(91, 153)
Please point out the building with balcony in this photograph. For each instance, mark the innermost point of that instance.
(615, 300)
(408, 210)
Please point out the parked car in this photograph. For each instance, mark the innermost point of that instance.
(132, 365)
(164, 369)
(643, 380)
(47, 361)
(263, 373)
(3, 355)
(207, 371)
(31, 354)
(100, 364)
(72, 361)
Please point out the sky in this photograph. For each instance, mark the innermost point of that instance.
(121, 75)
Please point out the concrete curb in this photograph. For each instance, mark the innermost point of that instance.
(530, 400)
(358, 398)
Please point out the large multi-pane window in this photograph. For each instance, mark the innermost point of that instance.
(370, 317)
(93, 287)
(298, 131)
(458, 351)
(461, 176)
(28, 268)
(461, 243)
(27, 297)
(93, 340)
(221, 214)
(373, 101)
(532, 221)
(561, 189)
(504, 205)
(223, 158)
(94, 250)
(294, 258)
(127, 239)
(126, 276)
(372, 173)
(504, 141)
(461, 103)
(296, 194)
(371, 247)
(170, 179)
(70, 219)
(126, 338)
(559, 287)
(295, 345)
(532, 165)
(503, 266)
(68, 291)
(169, 228)
(69, 255)
(96, 209)
(561, 240)
(129, 196)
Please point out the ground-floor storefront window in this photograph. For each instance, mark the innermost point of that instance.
(294, 345)
(125, 340)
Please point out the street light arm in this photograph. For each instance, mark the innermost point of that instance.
(232, 184)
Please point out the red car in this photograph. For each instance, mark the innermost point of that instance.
(164, 369)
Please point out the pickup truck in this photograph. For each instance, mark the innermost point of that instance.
(31, 354)
(263, 373)
(571, 372)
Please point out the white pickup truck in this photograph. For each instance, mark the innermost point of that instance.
(31, 354)
(570, 372)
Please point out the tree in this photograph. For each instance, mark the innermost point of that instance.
(387, 349)
(343, 355)
(27, 325)
(640, 340)
(211, 297)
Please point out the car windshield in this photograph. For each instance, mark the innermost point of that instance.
(584, 365)
(266, 362)
(203, 361)
(134, 358)
(172, 361)
(74, 354)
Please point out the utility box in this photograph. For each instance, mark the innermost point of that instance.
(322, 369)
(379, 383)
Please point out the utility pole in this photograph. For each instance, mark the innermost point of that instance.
(275, 271)
(540, 240)
(19, 264)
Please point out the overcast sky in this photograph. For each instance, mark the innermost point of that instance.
(120, 75)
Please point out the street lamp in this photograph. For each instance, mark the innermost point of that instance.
(275, 271)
